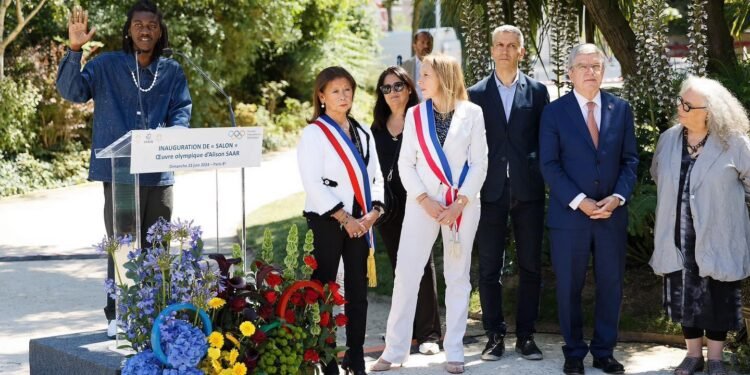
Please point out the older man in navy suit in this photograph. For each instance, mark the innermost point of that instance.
(512, 104)
(589, 160)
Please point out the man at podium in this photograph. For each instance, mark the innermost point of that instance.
(134, 88)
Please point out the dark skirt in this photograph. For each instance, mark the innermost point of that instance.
(689, 299)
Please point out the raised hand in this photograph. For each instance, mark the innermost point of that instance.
(77, 28)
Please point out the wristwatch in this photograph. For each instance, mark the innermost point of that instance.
(380, 209)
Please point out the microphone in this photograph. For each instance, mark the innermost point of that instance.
(141, 114)
(168, 52)
(399, 60)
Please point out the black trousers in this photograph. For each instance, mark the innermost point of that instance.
(527, 218)
(331, 244)
(155, 202)
(427, 317)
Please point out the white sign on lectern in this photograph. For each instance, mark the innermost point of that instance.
(179, 149)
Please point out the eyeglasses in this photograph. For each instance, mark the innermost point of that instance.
(685, 106)
(582, 68)
(397, 87)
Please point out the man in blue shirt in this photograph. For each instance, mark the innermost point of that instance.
(512, 104)
(132, 89)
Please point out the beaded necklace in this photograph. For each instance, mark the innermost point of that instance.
(156, 75)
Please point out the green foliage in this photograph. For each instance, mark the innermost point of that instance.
(290, 261)
(19, 101)
(735, 78)
(267, 250)
(24, 173)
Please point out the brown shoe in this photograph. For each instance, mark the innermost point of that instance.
(454, 367)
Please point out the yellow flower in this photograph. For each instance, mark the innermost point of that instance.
(233, 340)
(214, 353)
(239, 369)
(216, 339)
(216, 303)
(216, 365)
(233, 354)
(247, 329)
(226, 372)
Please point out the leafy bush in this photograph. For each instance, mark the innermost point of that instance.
(735, 79)
(19, 101)
(25, 173)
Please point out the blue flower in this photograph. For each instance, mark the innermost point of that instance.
(143, 363)
(184, 343)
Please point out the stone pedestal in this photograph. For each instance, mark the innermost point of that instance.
(85, 353)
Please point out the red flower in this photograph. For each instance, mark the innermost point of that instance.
(333, 287)
(258, 264)
(311, 262)
(338, 299)
(311, 356)
(237, 304)
(311, 296)
(289, 317)
(325, 319)
(341, 320)
(331, 340)
(273, 280)
(259, 337)
(270, 296)
(296, 299)
(266, 312)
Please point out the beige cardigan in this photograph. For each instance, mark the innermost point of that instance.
(719, 188)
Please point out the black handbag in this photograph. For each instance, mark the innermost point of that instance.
(393, 203)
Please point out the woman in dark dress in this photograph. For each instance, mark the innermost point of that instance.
(702, 170)
(395, 94)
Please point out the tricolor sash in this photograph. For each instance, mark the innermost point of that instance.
(424, 119)
(358, 177)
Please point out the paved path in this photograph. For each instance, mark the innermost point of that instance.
(54, 297)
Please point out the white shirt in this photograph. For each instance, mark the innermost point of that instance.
(583, 106)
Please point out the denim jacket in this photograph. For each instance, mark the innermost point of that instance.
(109, 80)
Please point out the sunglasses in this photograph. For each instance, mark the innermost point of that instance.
(397, 87)
(685, 106)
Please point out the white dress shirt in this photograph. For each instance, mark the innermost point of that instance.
(583, 106)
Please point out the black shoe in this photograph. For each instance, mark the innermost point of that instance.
(527, 348)
(346, 366)
(494, 349)
(609, 365)
(573, 366)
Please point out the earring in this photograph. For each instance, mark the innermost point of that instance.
(323, 105)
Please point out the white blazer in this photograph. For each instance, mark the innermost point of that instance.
(324, 177)
(466, 141)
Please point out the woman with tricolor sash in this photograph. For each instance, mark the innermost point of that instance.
(443, 164)
(344, 193)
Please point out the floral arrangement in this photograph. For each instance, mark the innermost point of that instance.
(173, 271)
(277, 321)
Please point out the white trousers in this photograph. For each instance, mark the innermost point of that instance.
(417, 237)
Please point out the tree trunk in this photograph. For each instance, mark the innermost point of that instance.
(388, 11)
(2, 64)
(588, 27)
(610, 20)
(720, 41)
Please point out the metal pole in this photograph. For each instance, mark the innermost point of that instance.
(216, 179)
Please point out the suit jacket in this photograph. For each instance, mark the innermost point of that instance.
(719, 188)
(572, 165)
(324, 177)
(514, 142)
(410, 65)
(465, 142)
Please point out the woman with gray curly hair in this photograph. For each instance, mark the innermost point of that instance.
(702, 236)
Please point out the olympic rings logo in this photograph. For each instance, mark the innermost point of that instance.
(236, 134)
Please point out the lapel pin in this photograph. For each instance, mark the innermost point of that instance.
(611, 106)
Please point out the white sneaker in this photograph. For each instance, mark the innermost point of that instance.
(429, 348)
(112, 329)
